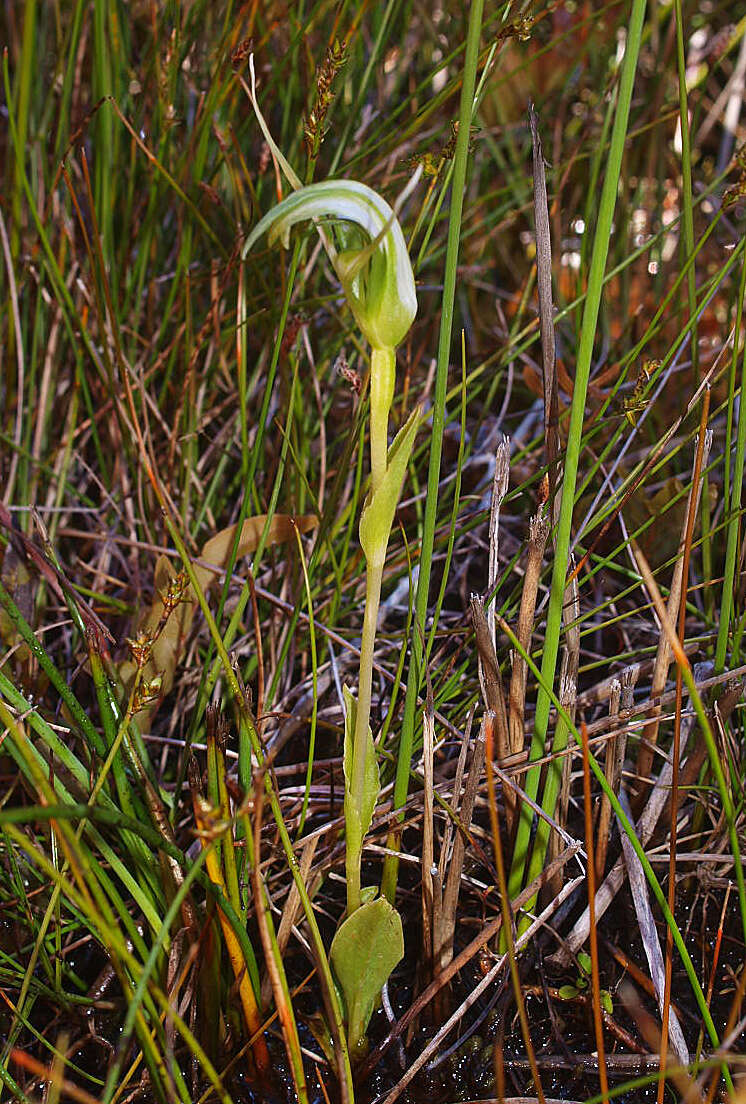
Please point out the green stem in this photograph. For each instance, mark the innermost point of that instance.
(382, 380)
(521, 872)
(370, 620)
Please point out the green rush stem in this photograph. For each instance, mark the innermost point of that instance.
(373, 578)
(344, 1069)
(522, 871)
(249, 464)
(80, 718)
(315, 678)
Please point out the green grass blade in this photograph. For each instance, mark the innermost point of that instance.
(521, 873)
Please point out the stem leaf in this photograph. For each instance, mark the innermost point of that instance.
(380, 506)
(358, 814)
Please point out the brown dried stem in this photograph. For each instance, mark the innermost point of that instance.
(614, 757)
(546, 314)
(493, 694)
(704, 441)
(663, 654)
(538, 533)
(591, 876)
(428, 741)
(506, 909)
(456, 864)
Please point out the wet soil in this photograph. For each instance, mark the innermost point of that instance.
(463, 1069)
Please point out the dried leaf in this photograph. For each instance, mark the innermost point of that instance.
(649, 935)
(168, 646)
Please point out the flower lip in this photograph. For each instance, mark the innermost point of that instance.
(377, 279)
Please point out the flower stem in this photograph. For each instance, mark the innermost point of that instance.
(373, 579)
(382, 380)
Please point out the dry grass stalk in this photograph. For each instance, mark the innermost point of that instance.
(719, 716)
(538, 533)
(607, 891)
(489, 978)
(650, 1032)
(546, 312)
(595, 981)
(628, 676)
(704, 443)
(508, 918)
(488, 932)
(456, 863)
(649, 936)
(493, 694)
(445, 845)
(428, 904)
(707, 683)
(732, 1030)
(568, 676)
(663, 654)
(571, 653)
(441, 882)
(439, 1009)
(490, 678)
(499, 490)
(613, 771)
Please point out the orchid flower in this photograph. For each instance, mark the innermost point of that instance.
(369, 255)
(376, 277)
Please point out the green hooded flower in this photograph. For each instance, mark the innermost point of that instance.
(375, 270)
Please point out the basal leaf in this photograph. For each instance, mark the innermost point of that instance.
(364, 951)
(584, 961)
